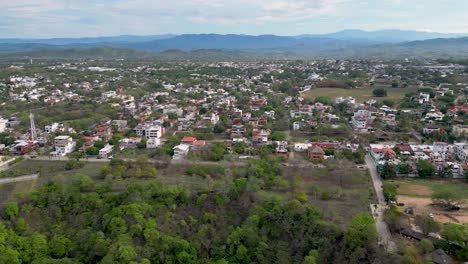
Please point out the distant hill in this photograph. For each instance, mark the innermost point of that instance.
(242, 47)
(385, 36)
(68, 41)
(99, 53)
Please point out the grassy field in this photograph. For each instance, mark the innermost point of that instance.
(425, 188)
(361, 95)
(338, 192)
(416, 194)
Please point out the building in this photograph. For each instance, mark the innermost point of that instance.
(180, 151)
(3, 124)
(153, 143)
(51, 128)
(461, 151)
(149, 130)
(361, 119)
(460, 130)
(63, 146)
(379, 152)
(316, 153)
(105, 151)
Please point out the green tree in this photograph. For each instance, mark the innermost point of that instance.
(360, 235)
(11, 210)
(446, 198)
(278, 136)
(425, 168)
(379, 92)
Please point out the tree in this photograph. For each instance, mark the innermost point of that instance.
(92, 151)
(278, 136)
(172, 115)
(446, 198)
(11, 210)
(425, 168)
(427, 224)
(323, 99)
(379, 92)
(239, 147)
(390, 191)
(388, 171)
(360, 235)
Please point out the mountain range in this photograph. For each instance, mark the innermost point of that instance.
(343, 44)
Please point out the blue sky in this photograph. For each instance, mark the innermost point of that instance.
(79, 18)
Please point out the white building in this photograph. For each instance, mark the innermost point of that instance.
(3, 123)
(348, 100)
(180, 152)
(51, 128)
(461, 151)
(153, 143)
(105, 151)
(361, 119)
(149, 130)
(108, 94)
(63, 146)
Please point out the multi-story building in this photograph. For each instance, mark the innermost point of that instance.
(3, 124)
(51, 128)
(149, 130)
(63, 146)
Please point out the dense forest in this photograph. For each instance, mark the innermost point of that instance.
(82, 220)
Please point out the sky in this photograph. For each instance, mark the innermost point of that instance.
(91, 18)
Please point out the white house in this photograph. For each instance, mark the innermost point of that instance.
(105, 151)
(51, 128)
(360, 119)
(149, 130)
(3, 123)
(63, 146)
(180, 152)
(153, 143)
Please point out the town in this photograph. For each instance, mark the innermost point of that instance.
(404, 121)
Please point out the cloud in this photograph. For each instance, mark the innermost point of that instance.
(58, 18)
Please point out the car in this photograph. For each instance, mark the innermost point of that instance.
(110, 157)
(431, 215)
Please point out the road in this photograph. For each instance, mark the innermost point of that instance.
(19, 178)
(385, 237)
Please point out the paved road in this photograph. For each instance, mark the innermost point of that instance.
(385, 237)
(19, 178)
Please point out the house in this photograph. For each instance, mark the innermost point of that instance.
(51, 128)
(63, 146)
(129, 142)
(188, 141)
(430, 129)
(316, 153)
(180, 151)
(105, 151)
(379, 152)
(103, 131)
(3, 124)
(301, 147)
(461, 151)
(149, 130)
(361, 119)
(460, 130)
(153, 143)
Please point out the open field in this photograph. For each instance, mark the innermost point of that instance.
(417, 194)
(338, 192)
(424, 188)
(361, 94)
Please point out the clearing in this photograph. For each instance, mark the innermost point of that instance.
(361, 94)
(417, 194)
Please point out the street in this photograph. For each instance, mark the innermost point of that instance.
(385, 237)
